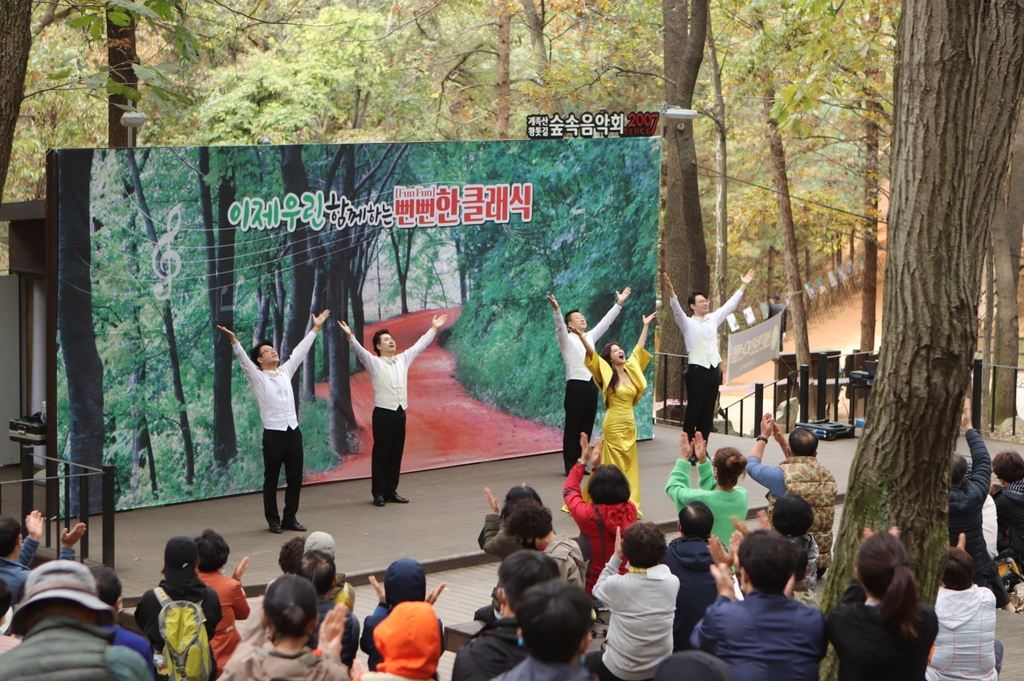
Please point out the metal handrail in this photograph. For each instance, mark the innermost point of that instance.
(978, 368)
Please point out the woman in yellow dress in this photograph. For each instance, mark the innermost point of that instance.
(622, 383)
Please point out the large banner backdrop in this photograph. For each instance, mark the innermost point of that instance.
(158, 246)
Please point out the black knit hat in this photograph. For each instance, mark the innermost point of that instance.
(180, 557)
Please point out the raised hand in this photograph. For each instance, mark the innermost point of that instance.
(747, 278)
(229, 333)
(668, 285)
(685, 448)
(740, 526)
(762, 517)
(378, 587)
(718, 552)
(35, 523)
(618, 543)
(70, 537)
(435, 593)
(723, 580)
(620, 298)
(332, 628)
(491, 501)
(345, 329)
(554, 303)
(700, 447)
(439, 322)
(965, 420)
(767, 425)
(240, 569)
(573, 329)
(318, 320)
(595, 454)
(650, 318)
(961, 541)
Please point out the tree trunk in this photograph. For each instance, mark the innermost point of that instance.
(535, 23)
(869, 279)
(1006, 243)
(309, 365)
(684, 256)
(402, 272)
(342, 415)
(791, 253)
(721, 285)
(82, 364)
(299, 305)
(121, 55)
(15, 44)
(280, 300)
(502, 85)
(958, 84)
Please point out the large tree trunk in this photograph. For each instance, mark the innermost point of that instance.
(535, 21)
(1007, 226)
(869, 229)
(685, 257)
(502, 84)
(721, 284)
(121, 55)
(296, 182)
(780, 178)
(15, 44)
(958, 84)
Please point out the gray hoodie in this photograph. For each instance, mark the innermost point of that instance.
(965, 646)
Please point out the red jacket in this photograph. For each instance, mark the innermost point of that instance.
(597, 522)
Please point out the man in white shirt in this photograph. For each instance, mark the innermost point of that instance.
(581, 392)
(700, 333)
(389, 373)
(271, 383)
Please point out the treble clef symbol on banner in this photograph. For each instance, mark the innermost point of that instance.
(166, 261)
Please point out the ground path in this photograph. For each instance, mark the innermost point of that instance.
(446, 426)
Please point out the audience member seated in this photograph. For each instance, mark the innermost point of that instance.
(642, 606)
(766, 636)
(344, 592)
(289, 559)
(496, 648)
(717, 486)
(319, 569)
(213, 555)
(879, 629)
(494, 541)
(966, 646)
(16, 555)
(966, 499)
(611, 510)
(404, 581)
(693, 665)
(7, 642)
(802, 474)
(289, 615)
(108, 590)
(555, 619)
(409, 643)
(793, 517)
(180, 583)
(530, 523)
(60, 618)
(1009, 469)
(690, 561)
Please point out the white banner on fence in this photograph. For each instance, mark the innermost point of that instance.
(751, 348)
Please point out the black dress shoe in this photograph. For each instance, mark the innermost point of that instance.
(295, 526)
(275, 528)
(378, 501)
(395, 499)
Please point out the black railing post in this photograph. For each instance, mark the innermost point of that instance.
(683, 366)
(789, 396)
(108, 516)
(83, 511)
(822, 385)
(758, 406)
(835, 394)
(976, 395)
(664, 387)
(67, 496)
(27, 502)
(805, 393)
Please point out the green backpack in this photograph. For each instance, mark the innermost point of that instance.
(186, 645)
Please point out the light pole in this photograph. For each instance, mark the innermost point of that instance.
(132, 120)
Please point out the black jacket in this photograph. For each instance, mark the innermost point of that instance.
(494, 650)
(965, 503)
(404, 581)
(1010, 511)
(349, 638)
(689, 559)
(147, 612)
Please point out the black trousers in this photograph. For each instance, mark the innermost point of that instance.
(388, 445)
(282, 448)
(702, 386)
(580, 412)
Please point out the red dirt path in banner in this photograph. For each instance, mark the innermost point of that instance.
(445, 425)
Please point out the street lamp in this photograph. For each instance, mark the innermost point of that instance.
(678, 113)
(132, 120)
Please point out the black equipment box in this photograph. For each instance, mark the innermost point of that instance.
(29, 430)
(829, 430)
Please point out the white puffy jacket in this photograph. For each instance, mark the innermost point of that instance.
(965, 646)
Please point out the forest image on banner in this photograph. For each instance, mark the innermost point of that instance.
(158, 246)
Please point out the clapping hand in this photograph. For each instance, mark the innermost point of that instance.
(70, 537)
(35, 523)
(435, 593)
(332, 628)
(492, 502)
(700, 447)
(618, 543)
(240, 569)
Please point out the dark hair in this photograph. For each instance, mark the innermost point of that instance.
(255, 353)
(529, 520)
(802, 544)
(319, 569)
(376, 340)
(958, 470)
(1008, 466)
(643, 545)
(606, 355)
(692, 298)
(608, 485)
(568, 314)
(290, 605)
(883, 566)
(959, 572)
(517, 494)
(213, 551)
(792, 516)
(5, 596)
(521, 570)
(696, 520)
(768, 560)
(730, 464)
(776, 296)
(290, 558)
(108, 584)
(554, 616)
(803, 442)
(10, 530)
